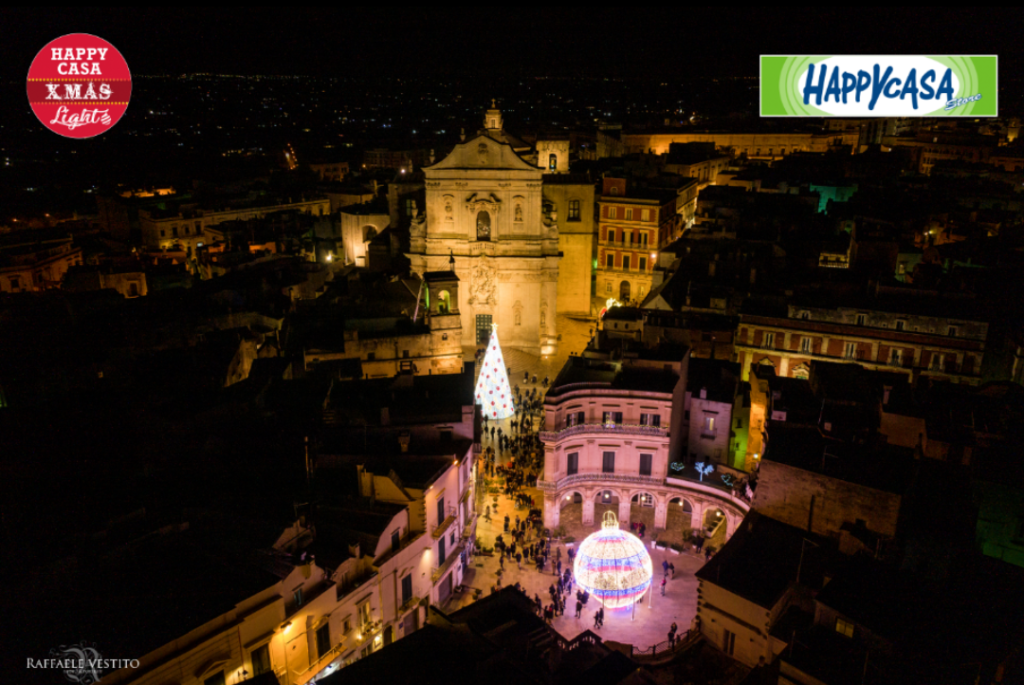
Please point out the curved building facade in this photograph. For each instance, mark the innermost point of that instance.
(612, 442)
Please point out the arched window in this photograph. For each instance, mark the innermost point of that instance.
(444, 302)
(552, 162)
(483, 226)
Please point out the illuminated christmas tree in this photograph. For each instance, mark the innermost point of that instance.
(493, 392)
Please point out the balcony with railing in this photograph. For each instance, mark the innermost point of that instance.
(605, 429)
(409, 604)
(585, 478)
(467, 526)
(438, 572)
(322, 661)
(450, 517)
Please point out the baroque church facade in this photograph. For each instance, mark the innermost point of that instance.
(485, 209)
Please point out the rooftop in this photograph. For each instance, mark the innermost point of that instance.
(717, 377)
(177, 580)
(760, 561)
(600, 374)
(874, 465)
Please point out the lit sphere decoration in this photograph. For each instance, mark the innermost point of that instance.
(613, 565)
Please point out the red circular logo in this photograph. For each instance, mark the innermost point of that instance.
(79, 85)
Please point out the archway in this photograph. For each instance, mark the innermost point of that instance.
(643, 499)
(607, 500)
(716, 528)
(570, 509)
(680, 511)
(444, 302)
(624, 291)
(642, 510)
(712, 518)
(679, 521)
(569, 499)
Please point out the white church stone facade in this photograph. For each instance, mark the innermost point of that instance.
(484, 209)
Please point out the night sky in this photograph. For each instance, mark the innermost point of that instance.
(617, 42)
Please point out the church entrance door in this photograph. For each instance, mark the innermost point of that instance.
(624, 292)
(483, 328)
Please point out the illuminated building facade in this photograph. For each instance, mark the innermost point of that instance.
(897, 336)
(29, 263)
(613, 443)
(569, 203)
(484, 209)
(632, 225)
(163, 229)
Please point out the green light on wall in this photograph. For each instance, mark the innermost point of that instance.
(595, 265)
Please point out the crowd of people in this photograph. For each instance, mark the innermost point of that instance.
(514, 457)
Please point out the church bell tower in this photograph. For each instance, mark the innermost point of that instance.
(492, 119)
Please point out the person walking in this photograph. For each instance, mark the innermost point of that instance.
(558, 566)
(664, 566)
(501, 561)
(663, 583)
(597, 619)
(579, 608)
(519, 561)
(672, 568)
(600, 613)
(506, 523)
(672, 634)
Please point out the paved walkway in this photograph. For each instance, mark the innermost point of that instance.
(654, 615)
(647, 626)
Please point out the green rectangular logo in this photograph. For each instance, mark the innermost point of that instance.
(858, 86)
